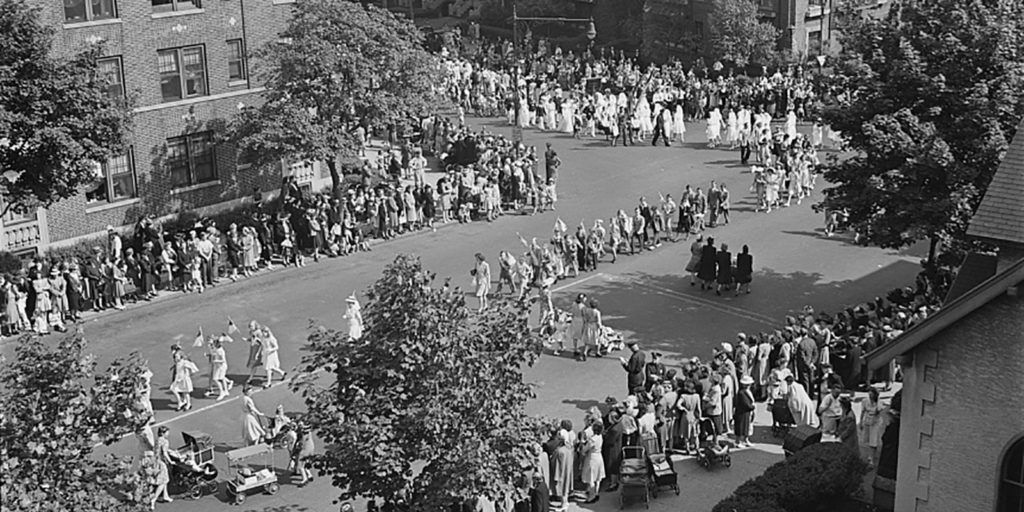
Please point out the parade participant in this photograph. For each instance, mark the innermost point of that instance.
(744, 412)
(145, 391)
(181, 385)
(593, 330)
(163, 462)
(635, 368)
(696, 252)
(252, 428)
(354, 316)
(481, 280)
(300, 453)
(576, 327)
(255, 349)
(271, 359)
(744, 270)
(219, 364)
(708, 264)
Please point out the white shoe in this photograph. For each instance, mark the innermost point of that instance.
(221, 396)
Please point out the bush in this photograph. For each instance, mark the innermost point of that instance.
(9, 263)
(814, 479)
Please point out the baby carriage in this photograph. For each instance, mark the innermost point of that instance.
(192, 469)
(659, 465)
(710, 450)
(782, 418)
(634, 481)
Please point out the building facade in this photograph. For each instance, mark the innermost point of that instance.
(961, 438)
(184, 66)
(679, 28)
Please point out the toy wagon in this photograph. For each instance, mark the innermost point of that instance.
(246, 478)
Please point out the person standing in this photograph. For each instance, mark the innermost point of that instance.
(593, 471)
(688, 407)
(846, 427)
(205, 253)
(635, 368)
(800, 404)
(831, 411)
(576, 327)
(871, 425)
(564, 463)
(724, 278)
(723, 203)
(482, 280)
(354, 316)
(743, 405)
(713, 403)
(744, 270)
(252, 428)
(708, 262)
(593, 329)
(696, 251)
(301, 451)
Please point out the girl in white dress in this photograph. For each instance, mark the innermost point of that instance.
(568, 116)
(354, 316)
(219, 364)
(679, 120)
(182, 384)
(271, 360)
(791, 125)
(714, 128)
(643, 112)
(550, 114)
(732, 135)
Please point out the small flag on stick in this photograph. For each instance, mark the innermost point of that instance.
(232, 328)
(199, 338)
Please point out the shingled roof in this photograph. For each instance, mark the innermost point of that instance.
(1000, 217)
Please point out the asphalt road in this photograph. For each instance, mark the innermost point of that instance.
(646, 296)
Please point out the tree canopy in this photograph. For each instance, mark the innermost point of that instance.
(335, 63)
(933, 99)
(427, 407)
(56, 118)
(737, 35)
(54, 409)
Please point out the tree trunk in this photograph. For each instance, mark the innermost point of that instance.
(933, 246)
(332, 165)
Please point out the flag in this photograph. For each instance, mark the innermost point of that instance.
(232, 328)
(199, 339)
(560, 226)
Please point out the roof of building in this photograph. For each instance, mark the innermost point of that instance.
(950, 313)
(975, 269)
(1000, 217)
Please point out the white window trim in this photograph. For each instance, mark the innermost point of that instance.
(171, 14)
(198, 99)
(110, 206)
(197, 186)
(94, 23)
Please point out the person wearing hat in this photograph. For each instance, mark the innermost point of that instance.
(708, 264)
(114, 243)
(743, 408)
(354, 316)
(58, 298)
(635, 368)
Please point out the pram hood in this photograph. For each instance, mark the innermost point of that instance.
(196, 440)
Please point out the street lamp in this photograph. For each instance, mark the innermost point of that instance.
(517, 131)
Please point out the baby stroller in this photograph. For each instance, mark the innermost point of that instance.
(659, 465)
(710, 450)
(634, 481)
(193, 470)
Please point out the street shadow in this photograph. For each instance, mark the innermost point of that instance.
(583, 405)
(280, 508)
(729, 164)
(162, 404)
(844, 238)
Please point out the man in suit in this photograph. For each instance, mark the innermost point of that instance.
(635, 368)
(93, 278)
(806, 361)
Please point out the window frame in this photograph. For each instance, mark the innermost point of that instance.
(191, 158)
(107, 178)
(90, 16)
(1014, 449)
(177, 6)
(241, 60)
(119, 66)
(180, 69)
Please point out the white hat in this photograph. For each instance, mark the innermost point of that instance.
(727, 347)
(746, 380)
(352, 299)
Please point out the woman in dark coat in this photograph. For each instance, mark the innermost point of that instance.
(724, 269)
(743, 408)
(744, 270)
(708, 262)
(611, 450)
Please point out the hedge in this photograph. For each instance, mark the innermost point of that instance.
(815, 479)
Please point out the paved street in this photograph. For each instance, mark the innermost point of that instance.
(646, 296)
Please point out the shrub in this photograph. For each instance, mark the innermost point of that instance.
(814, 479)
(9, 263)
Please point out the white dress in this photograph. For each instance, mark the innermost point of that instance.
(220, 363)
(791, 125)
(183, 376)
(270, 357)
(733, 128)
(643, 112)
(679, 120)
(714, 130)
(355, 321)
(568, 113)
(252, 429)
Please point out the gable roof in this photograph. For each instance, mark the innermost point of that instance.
(975, 269)
(950, 313)
(1000, 216)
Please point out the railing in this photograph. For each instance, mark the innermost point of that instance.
(21, 236)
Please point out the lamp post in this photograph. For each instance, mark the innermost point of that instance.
(517, 131)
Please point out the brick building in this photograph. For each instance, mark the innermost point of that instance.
(184, 65)
(961, 439)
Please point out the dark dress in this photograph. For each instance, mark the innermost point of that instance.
(724, 267)
(708, 261)
(743, 404)
(540, 498)
(611, 448)
(744, 268)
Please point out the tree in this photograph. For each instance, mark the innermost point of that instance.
(737, 35)
(933, 97)
(55, 409)
(335, 63)
(56, 119)
(427, 408)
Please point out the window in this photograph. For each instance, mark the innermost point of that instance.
(1011, 479)
(236, 60)
(78, 11)
(110, 72)
(191, 159)
(115, 181)
(814, 43)
(175, 5)
(182, 73)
